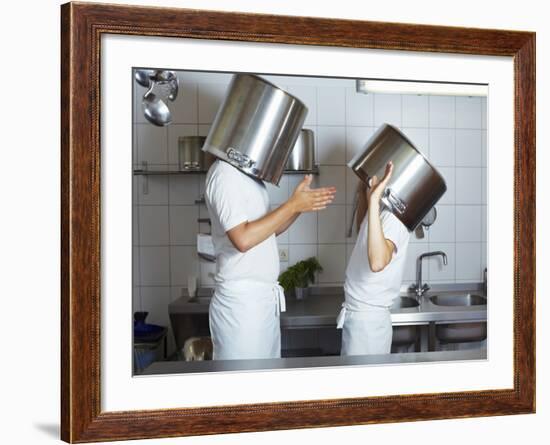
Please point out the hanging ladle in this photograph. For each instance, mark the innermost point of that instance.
(143, 77)
(155, 109)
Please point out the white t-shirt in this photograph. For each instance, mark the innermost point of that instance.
(362, 285)
(232, 197)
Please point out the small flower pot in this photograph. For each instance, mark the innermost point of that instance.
(301, 292)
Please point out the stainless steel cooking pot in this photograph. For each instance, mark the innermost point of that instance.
(256, 127)
(302, 156)
(191, 155)
(415, 185)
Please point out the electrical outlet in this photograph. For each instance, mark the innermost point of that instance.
(283, 254)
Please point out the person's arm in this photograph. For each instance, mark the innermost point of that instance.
(380, 250)
(304, 199)
(306, 186)
(286, 225)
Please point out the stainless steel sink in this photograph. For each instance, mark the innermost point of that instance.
(458, 300)
(404, 302)
(404, 335)
(461, 332)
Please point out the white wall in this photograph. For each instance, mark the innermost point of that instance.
(30, 231)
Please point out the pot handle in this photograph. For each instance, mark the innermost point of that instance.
(239, 159)
(394, 201)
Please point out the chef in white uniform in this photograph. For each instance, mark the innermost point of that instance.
(374, 273)
(247, 301)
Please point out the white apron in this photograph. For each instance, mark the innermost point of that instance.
(244, 320)
(365, 331)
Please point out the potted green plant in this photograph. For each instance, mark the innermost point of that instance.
(298, 277)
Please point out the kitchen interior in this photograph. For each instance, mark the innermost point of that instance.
(173, 270)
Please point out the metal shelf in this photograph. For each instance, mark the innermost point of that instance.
(314, 171)
(168, 172)
(146, 172)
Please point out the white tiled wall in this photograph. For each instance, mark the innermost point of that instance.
(450, 131)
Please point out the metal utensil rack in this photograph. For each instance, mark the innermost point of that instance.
(147, 172)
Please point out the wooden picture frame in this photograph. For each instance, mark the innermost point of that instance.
(82, 25)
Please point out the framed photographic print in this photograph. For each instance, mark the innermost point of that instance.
(186, 133)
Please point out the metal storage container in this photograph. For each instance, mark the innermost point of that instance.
(302, 156)
(191, 155)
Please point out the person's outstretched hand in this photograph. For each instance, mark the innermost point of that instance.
(306, 199)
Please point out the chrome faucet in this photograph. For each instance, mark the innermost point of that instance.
(420, 288)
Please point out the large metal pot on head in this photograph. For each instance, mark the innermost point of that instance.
(256, 127)
(415, 185)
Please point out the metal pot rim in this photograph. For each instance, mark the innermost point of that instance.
(261, 79)
(250, 171)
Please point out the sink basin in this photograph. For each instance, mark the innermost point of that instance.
(404, 335)
(404, 302)
(461, 332)
(459, 300)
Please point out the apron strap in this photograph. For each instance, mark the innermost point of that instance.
(280, 302)
(341, 317)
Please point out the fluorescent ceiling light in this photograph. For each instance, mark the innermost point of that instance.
(420, 87)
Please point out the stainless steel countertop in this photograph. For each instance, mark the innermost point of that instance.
(322, 306)
(181, 367)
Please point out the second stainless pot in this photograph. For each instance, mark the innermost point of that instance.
(302, 156)
(256, 127)
(415, 185)
(191, 155)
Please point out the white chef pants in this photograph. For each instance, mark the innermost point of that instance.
(244, 321)
(367, 331)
